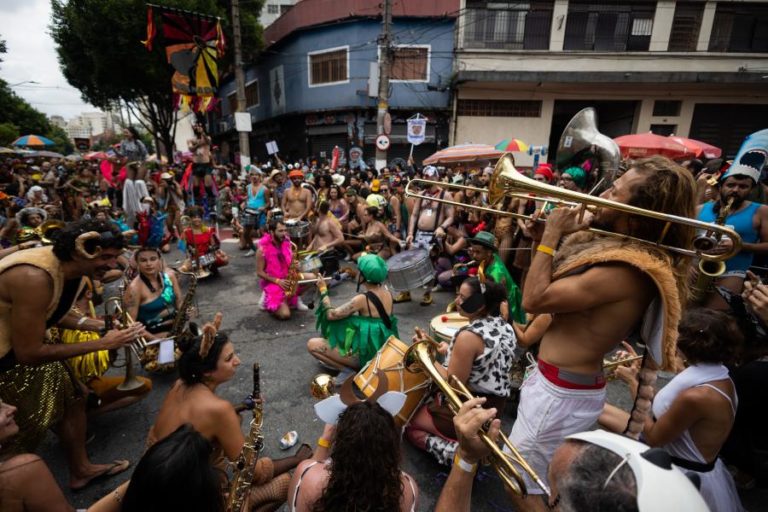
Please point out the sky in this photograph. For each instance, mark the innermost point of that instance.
(32, 57)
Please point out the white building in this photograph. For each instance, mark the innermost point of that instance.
(273, 9)
(694, 68)
(58, 121)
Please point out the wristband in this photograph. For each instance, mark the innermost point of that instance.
(323, 443)
(464, 465)
(82, 320)
(546, 249)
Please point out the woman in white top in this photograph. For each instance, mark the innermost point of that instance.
(356, 466)
(693, 414)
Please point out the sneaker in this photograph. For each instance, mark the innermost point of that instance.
(261, 302)
(249, 254)
(436, 288)
(426, 299)
(300, 306)
(402, 297)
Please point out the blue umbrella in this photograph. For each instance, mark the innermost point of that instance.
(33, 141)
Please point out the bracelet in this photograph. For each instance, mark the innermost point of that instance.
(82, 320)
(323, 443)
(546, 249)
(464, 465)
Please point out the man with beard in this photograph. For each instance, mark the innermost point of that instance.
(748, 219)
(37, 290)
(202, 170)
(599, 289)
(273, 263)
(297, 200)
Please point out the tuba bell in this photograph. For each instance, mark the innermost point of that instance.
(44, 232)
(581, 140)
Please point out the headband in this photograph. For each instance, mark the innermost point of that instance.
(209, 335)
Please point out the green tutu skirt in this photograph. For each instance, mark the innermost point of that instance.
(355, 335)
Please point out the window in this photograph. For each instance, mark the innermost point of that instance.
(740, 28)
(252, 94)
(284, 8)
(609, 26)
(508, 25)
(685, 26)
(329, 66)
(664, 130)
(273, 8)
(499, 108)
(668, 108)
(410, 63)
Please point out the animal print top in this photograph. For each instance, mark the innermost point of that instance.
(491, 370)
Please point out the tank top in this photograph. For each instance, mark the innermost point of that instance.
(741, 222)
(256, 201)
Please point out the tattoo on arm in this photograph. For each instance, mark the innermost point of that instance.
(342, 311)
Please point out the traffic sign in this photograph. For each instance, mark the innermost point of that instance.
(382, 142)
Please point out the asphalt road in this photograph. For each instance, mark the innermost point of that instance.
(286, 371)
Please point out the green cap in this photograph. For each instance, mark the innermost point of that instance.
(578, 174)
(373, 268)
(485, 239)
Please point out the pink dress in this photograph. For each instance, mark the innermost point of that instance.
(277, 261)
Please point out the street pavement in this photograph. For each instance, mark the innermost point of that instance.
(286, 372)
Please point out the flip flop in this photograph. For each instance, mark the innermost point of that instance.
(117, 467)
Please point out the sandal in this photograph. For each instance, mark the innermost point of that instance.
(117, 467)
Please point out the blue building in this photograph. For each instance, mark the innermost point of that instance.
(315, 85)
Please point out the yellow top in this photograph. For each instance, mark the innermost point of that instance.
(42, 258)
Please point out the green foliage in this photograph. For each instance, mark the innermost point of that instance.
(100, 51)
(8, 133)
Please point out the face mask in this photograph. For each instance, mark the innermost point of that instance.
(473, 303)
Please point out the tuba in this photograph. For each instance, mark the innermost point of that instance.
(44, 232)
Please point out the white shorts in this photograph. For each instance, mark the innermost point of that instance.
(546, 414)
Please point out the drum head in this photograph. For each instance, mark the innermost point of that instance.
(406, 259)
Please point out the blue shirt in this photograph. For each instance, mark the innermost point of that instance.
(742, 223)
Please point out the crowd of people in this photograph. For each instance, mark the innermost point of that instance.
(79, 234)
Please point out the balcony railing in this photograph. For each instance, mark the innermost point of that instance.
(508, 25)
(609, 26)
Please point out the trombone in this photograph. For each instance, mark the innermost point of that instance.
(507, 181)
(422, 353)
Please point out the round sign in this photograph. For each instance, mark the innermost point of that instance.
(382, 142)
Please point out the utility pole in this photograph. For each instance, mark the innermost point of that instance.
(385, 64)
(245, 147)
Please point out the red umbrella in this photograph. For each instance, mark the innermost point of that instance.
(464, 153)
(641, 145)
(97, 155)
(698, 147)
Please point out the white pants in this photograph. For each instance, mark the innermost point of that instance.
(546, 414)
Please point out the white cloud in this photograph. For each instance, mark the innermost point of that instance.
(32, 57)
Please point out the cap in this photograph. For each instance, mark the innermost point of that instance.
(274, 173)
(375, 186)
(373, 268)
(546, 171)
(295, 174)
(485, 239)
(578, 174)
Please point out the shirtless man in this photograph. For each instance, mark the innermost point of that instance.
(202, 169)
(593, 307)
(327, 231)
(297, 200)
(427, 225)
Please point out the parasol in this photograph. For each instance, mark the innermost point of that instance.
(698, 147)
(641, 145)
(45, 154)
(33, 141)
(512, 145)
(464, 153)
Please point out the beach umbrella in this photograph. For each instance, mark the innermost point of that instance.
(512, 145)
(464, 153)
(7, 151)
(698, 147)
(33, 141)
(46, 154)
(641, 145)
(74, 157)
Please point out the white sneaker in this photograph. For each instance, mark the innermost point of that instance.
(249, 254)
(300, 306)
(261, 302)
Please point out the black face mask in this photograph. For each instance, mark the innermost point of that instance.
(473, 303)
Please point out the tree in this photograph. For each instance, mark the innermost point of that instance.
(119, 68)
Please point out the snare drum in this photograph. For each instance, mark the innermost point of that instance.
(389, 360)
(310, 264)
(207, 260)
(409, 270)
(297, 229)
(444, 327)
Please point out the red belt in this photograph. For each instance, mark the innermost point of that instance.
(570, 380)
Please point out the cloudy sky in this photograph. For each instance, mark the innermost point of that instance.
(32, 57)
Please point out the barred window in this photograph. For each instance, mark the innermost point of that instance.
(273, 8)
(252, 94)
(740, 28)
(685, 26)
(284, 8)
(499, 108)
(410, 63)
(509, 25)
(328, 67)
(621, 26)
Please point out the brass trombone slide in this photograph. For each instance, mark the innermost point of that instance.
(422, 353)
(507, 181)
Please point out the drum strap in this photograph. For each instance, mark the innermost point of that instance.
(372, 298)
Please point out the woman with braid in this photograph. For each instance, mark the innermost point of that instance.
(207, 362)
